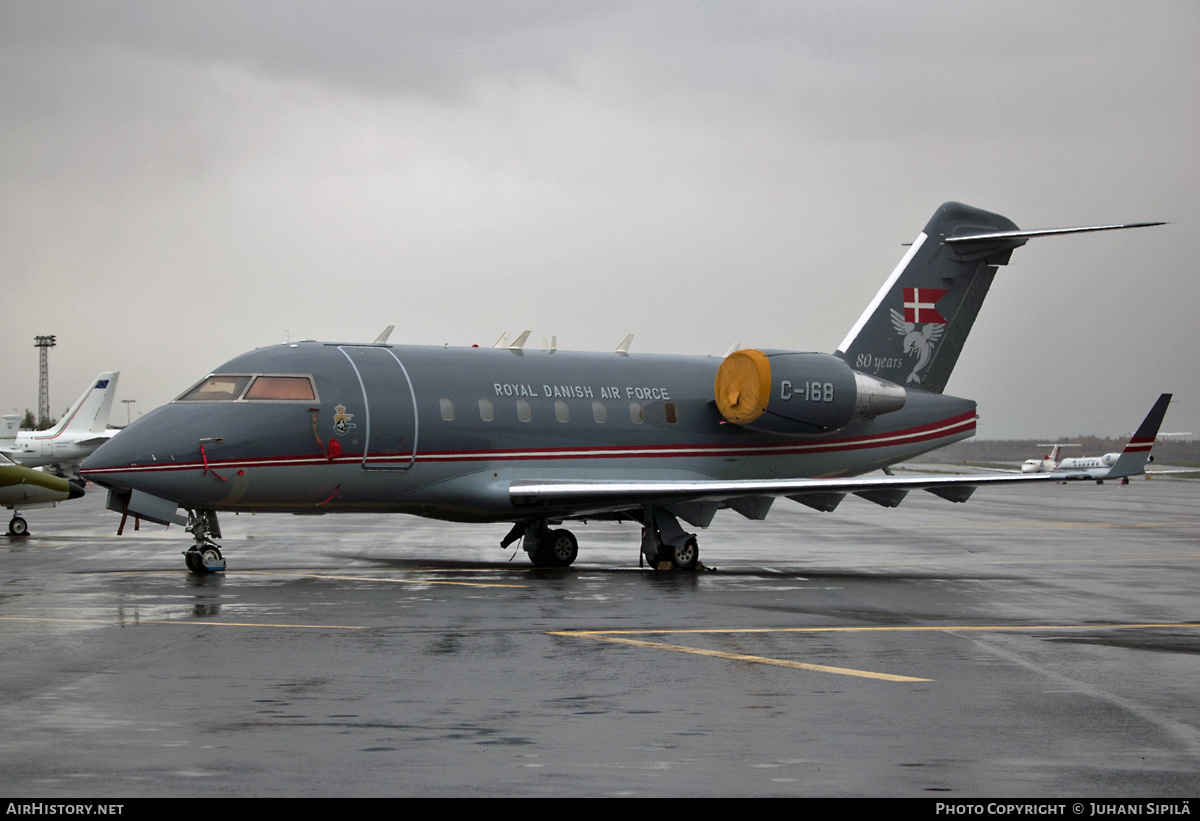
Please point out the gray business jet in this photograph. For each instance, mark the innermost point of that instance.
(538, 438)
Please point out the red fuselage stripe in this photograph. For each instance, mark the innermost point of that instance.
(922, 433)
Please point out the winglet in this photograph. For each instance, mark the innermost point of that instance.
(1133, 458)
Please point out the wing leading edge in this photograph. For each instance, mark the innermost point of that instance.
(747, 496)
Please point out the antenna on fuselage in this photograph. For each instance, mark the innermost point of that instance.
(383, 337)
(500, 342)
(519, 342)
(623, 348)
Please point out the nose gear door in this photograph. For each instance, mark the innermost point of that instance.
(389, 407)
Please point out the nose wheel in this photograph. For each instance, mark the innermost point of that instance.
(205, 555)
(205, 560)
(17, 526)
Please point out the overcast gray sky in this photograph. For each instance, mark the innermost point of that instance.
(184, 182)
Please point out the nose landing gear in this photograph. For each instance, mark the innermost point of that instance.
(17, 526)
(205, 555)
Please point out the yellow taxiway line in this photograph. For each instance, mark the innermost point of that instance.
(618, 637)
(797, 665)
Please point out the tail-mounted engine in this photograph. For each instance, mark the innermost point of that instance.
(787, 392)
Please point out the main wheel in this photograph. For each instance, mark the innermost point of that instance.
(564, 547)
(686, 555)
(18, 527)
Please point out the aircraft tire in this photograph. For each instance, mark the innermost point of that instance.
(541, 557)
(193, 561)
(685, 556)
(17, 526)
(210, 556)
(563, 548)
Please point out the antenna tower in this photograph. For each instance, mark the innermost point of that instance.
(43, 343)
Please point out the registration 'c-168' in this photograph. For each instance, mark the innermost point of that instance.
(536, 438)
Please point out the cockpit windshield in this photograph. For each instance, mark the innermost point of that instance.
(281, 387)
(262, 388)
(217, 389)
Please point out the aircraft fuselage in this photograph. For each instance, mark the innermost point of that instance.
(442, 432)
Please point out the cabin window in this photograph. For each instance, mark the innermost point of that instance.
(217, 389)
(523, 411)
(635, 413)
(447, 408)
(599, 412)
(486, 412)
(561, 412)
(669, 411)
(281, 387)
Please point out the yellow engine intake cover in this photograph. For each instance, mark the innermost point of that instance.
(743, 386)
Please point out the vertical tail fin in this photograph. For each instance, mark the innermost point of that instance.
(8, 430)
(90, 412)
(914, 329)
(1137, 451)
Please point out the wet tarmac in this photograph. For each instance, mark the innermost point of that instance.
(1035, 642)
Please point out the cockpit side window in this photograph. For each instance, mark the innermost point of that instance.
(217, 389)
(281, 387)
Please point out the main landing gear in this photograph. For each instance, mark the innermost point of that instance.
(546, 547)
(18, 527)
(663, 540)
(205, 555)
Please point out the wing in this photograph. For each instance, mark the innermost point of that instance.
(751, 497)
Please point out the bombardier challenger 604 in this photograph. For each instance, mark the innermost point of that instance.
(537, 438)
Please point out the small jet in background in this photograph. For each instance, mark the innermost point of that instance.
(1050, 461)
(1100, 467)
(62, 448)
(22, 488)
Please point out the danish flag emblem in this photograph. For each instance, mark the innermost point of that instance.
(920, 304)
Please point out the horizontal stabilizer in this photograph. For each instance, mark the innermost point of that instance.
(1044, 232)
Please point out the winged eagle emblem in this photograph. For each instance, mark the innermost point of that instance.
(917, 343)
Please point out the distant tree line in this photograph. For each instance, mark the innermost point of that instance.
(30, 423)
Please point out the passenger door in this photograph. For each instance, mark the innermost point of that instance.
(390, 407)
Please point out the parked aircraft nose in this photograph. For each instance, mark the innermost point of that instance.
(116, 452)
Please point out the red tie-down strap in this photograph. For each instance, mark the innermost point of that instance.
(332, 496)
(334, 450)
(208, 469)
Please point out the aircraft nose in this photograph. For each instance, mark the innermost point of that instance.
(118, 452)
